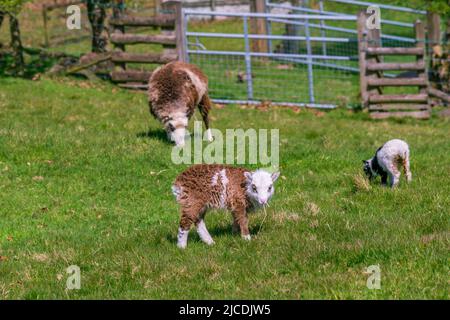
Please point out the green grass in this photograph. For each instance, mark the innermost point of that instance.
(85, 178)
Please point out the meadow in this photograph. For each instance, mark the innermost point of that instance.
(85, 177)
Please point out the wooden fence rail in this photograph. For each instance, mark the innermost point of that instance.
(166, 20)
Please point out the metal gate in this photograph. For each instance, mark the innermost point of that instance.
(392, 37)
(239, 74)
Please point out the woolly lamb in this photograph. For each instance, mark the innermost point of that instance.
(203, 186)
(388, 161)
(175, 89)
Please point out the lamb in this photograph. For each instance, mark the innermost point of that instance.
(175, 89)
(206, 186)
(388, 161)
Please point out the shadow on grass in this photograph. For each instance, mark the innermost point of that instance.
(34, 64)
(215, 232)
(156, 134)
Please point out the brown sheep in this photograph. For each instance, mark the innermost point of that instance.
(175, 89)
(205, 186)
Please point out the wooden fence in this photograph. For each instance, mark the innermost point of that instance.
(59, 7)
(171, 39)
(372, 81)
(49, 7)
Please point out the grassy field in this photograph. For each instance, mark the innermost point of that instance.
(85, 178)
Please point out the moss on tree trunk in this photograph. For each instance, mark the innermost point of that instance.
(97, 15)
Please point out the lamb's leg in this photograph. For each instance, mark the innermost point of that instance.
(384, 177)
(240, 215)
(182, 237)
(189, 215)
(205, 106)
(407, 169)
(203, 232)
(394, 176)
(236, 228)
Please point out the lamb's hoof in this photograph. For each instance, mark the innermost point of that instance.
(247, 237)
(182, 245)
(209, 135)
(210, 243)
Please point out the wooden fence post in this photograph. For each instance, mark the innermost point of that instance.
(374, 40)
(180, 25)
(362, 47)
(367, 38)
(45, 20)
(420, 43)
(157, 8)
(212, 4)
(291, 46)
(433, 30)
(119, 30)
(258, 25)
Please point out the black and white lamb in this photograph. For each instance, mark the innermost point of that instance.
(388, 161)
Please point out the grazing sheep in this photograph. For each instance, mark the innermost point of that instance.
(388, 161)
(204, 186)
(175, 89)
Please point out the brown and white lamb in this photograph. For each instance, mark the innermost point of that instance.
(175, 89)
(204, 186)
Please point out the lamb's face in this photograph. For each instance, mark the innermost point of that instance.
(367, 167)
(260, 186)
(176, 128)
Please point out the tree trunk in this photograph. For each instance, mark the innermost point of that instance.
(2, 16)
(16, 44)
(96, 15)
(448, 31)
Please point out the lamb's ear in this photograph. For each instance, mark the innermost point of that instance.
(275, 176)
(248, 176)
